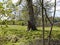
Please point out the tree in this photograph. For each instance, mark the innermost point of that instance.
(52, 24)
(31, 15)
(43, 27)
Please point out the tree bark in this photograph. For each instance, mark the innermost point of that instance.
(52, 24)
(31, 15)
(43, 27)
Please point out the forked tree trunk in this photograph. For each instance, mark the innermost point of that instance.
(52, 24)
(32, 24)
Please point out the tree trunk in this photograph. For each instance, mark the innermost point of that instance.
(50, 33)
(31, 16)
(43, 27)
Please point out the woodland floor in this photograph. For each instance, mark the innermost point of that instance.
(18, 35)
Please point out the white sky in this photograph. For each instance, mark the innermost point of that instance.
(57, 8)
(14, 1)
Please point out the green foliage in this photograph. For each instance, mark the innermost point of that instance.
(9, 10)
(19, 2)
(18, 35)
(12, 22)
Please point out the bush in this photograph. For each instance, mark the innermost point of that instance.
(13, 22)
(57, 24)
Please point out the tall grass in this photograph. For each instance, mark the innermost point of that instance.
(18, 35)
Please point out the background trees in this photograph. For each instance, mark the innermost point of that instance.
(30, 13)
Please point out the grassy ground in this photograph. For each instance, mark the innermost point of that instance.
(18, 35)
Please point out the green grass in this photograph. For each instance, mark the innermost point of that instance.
(8, 35)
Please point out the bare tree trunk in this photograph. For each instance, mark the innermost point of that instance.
(46, 13)
(43, 27)
(52, 24)
(31, 15)
(47, 16)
